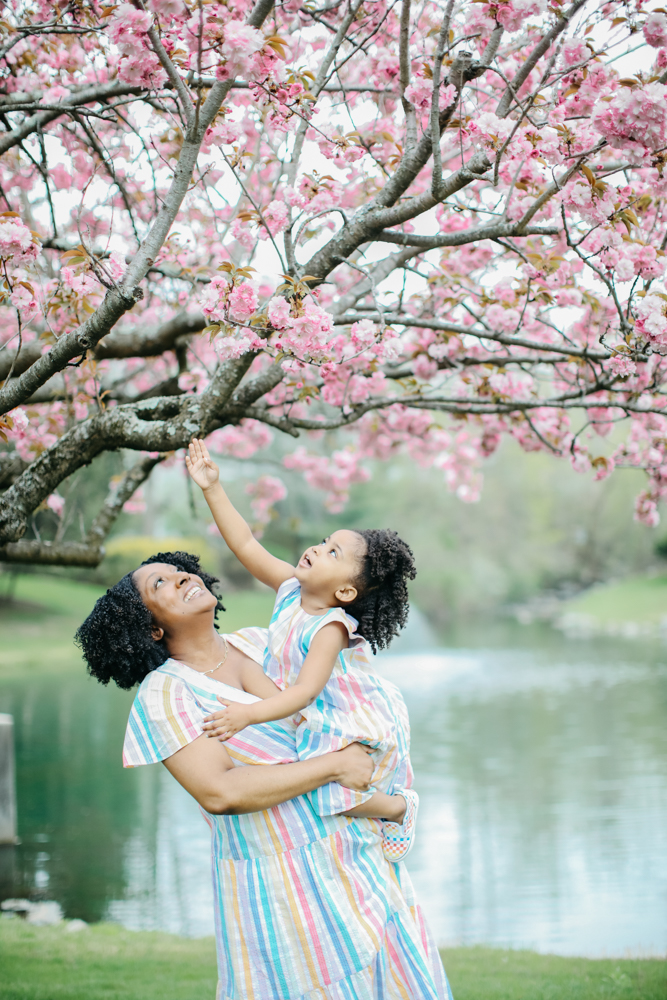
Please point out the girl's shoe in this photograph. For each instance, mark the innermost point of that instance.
(397, 839)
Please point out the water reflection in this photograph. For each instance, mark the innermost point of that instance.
(541, 762)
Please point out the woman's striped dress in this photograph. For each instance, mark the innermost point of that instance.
(306, 906)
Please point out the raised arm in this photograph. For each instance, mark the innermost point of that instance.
(314, 674)
(206, 771)
(232, 526)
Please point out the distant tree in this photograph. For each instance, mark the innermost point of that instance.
(455, 212)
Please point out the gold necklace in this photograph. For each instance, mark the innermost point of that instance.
(213, 669)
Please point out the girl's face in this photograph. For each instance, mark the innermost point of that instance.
(330, 568)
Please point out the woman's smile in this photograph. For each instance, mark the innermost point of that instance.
(192, 592)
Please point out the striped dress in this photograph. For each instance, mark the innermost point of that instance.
(306, 907)
(355, 705)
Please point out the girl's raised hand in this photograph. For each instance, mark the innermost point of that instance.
(201, 466)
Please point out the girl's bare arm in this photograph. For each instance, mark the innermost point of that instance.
(313, 675)
(231, 525)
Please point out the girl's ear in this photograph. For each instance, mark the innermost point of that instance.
(157, 633)
(346, 594)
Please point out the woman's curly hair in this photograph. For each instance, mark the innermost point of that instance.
(382, 605)
(116, 637)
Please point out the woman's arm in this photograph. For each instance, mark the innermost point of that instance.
(232, 526)
(205, 770)
(314, 674)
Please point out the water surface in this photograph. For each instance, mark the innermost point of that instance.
(541, 763)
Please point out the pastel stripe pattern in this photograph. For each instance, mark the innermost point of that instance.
(306, 906)
(355, 705)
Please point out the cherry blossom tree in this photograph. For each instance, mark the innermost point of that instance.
(422, 224)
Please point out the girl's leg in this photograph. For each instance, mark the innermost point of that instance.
(381, 806)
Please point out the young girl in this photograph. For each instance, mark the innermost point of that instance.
(346, 595)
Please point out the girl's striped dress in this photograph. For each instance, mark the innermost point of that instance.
(306, 906)
(355, 705)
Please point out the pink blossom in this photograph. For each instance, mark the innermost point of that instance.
(646, 510)
(574, 52)
(59, 177)
(490, 128)
(651, 319)
(115, 265)
(24, 300)
(16, 241)
(143, 69)
(127, 28)
(56, 503)
(276, 217)
(167, 9)
(240, 45)
(420, 92)
(279, 312)
(243, 301)
(228, 348)
(242, 440)
(634, 115)
(622, 365)
(267, 491)
(242, 233)
(655, 30)
(19, 421)
(512, 13)
(363, 335)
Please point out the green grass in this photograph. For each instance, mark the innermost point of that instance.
(496, 974)
(37, 627)
(639, 599)
(106, 962)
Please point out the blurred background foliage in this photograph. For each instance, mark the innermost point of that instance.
(539, 526)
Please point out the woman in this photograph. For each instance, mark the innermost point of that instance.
(306, 907)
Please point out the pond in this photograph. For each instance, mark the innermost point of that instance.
(542, 768)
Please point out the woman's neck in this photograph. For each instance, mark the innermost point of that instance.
(200, 649)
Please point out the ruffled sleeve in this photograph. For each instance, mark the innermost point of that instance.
(165, 717)
(252, 641)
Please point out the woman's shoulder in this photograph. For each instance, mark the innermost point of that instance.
(161, 678)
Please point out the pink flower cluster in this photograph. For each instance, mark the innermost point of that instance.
(241, 44)
(17, 242)
(265, 492)
(242, 440)
(652, 319)
(634, 116)
(334, 474)
(139, 64)
(655, 30)
(307, 335)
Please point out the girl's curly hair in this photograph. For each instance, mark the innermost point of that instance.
(116, 637)
(382, 606)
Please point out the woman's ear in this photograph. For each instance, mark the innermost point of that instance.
(347, 594)
(157, 633)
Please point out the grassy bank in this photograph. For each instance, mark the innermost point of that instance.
(630, 607)
(40, 614)
(106, 962)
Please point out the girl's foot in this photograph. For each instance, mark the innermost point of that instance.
(398, 838)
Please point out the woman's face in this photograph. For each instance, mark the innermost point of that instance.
(172, 596)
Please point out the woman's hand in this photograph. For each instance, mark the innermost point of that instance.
(228, 721)
(356, 767)
(201, 466)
